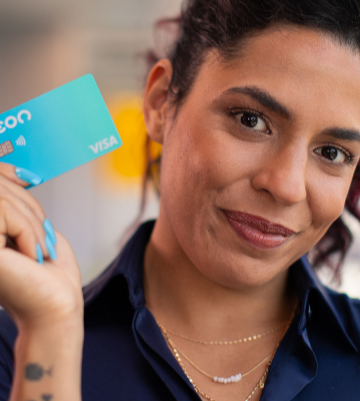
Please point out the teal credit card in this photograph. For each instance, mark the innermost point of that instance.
(59, 130)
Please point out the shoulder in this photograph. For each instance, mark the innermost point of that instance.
(341, 300)
(347, 309)
(323, 305)
(334, 318)
(121, 283)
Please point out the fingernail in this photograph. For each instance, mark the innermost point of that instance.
(50, 231)
(50, 247)
(39, 254)
(28, 176)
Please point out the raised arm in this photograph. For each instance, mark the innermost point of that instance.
(43, 297)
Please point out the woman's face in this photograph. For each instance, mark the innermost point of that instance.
(258, 162)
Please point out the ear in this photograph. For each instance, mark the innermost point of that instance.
(156, 99)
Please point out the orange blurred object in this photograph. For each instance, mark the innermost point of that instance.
(128, 163)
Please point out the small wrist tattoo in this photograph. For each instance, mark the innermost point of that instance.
(35, 372)
(45, 397)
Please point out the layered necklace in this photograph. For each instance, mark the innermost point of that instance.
(223, 380)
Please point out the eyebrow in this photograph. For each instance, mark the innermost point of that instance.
(264, 98)
(343, 134)
(268, 101)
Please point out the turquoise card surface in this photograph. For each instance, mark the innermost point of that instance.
(59, 130)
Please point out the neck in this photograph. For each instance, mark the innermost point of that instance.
(183, 299)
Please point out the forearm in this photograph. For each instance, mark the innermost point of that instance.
(48, 364)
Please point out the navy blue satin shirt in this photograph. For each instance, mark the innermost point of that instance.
(127, 359)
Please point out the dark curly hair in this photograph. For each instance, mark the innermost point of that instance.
(222, 25)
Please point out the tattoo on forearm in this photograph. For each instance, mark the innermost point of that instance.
(45, 397)
(35, 372)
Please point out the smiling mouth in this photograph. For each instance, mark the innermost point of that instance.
(257, 231)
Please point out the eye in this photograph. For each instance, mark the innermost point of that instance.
(333, 154)
(252, 121)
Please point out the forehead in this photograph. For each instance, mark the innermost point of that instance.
(294, 64)
(285, 43)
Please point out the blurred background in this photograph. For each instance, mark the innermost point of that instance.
(47, 43)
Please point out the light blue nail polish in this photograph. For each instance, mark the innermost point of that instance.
(39, 254)
(28, 176)
(50, 231)
(50, 248)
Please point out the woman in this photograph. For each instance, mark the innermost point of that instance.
(257, 109)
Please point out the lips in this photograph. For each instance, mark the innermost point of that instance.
(257, 231)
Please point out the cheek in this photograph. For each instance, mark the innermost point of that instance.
(204, 156)
(327, 199)
(198, 163)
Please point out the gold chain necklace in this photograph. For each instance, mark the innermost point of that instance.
(223, 380)
(232, 342)
(260, 385)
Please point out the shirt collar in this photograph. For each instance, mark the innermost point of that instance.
(129, 263)
(311, 293)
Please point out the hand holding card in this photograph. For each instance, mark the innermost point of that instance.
(58, 131)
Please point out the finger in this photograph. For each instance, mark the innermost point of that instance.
(25, 286)
(32, 210)
(19, 175)
(16, 225)
(33, 293)
(7, 186)
(15, 280)
(30, 206)
(66, 260)
(9, 178)
(41, 225)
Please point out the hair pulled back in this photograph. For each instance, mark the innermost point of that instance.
(223, 25)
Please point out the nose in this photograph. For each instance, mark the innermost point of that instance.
(283, 175)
